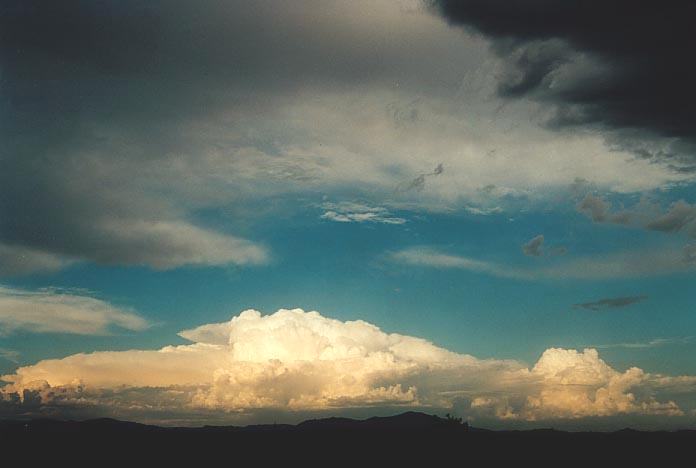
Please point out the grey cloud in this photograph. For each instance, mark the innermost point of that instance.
(621, 64)
(680, 217)
(534, 247)
(20, 260)
(115, 117)
(611, 303)
(630, 264)
(418, 183)
(600, 211)
(121, 118)
(53, 221)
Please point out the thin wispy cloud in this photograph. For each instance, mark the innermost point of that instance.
(654, 343)
(611, 266)
(611, 303)
(483, 211)
(350, 212)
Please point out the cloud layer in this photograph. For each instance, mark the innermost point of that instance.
(54, 311)
(595, 267)
(620, 64)
(122, 123)
(294, 361)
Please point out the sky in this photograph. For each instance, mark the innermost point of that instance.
(239, 212)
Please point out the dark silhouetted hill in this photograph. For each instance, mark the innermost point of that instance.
(408, 438)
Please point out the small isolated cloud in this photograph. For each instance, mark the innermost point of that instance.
(476, 210)
(600, 211)
(629, 264)
(349, 212)
(53, 311)
(294, 361)
(654, 343)
(611, 303)
(534, 247)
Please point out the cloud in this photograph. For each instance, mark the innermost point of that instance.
(475, 210)
(428, 257)
(600, 211)
(654, 343)
(349, 212)
(139, 118)
(566, 371)
(611, 266)
(110, 227)
(18, 260)
(534, 247)
(611, 303)
(419, 182)
(690, 253)
(294, 361)
(54, 311)
(679, 217)
(619, 65)
(9, 355)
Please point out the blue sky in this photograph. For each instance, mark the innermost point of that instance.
(343, 270)
(405, 165)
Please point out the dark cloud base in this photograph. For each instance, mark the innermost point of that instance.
(621, 64)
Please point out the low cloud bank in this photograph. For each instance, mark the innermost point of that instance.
(294, 361)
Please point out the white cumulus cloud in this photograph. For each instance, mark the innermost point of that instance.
(294, 361)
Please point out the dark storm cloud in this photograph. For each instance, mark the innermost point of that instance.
(622, 64)
(611, 303)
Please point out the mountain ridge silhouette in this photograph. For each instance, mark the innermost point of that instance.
(406, 438)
